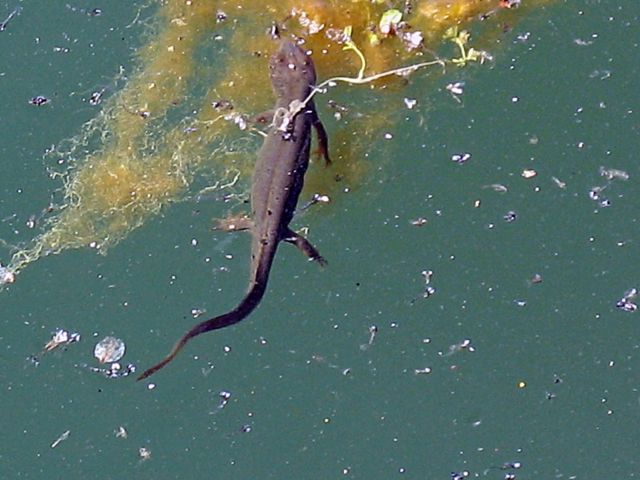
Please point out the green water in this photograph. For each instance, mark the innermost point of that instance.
(310, 397)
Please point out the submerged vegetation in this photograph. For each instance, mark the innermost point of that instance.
(201, 75)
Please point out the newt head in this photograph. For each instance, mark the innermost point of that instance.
(291, 71)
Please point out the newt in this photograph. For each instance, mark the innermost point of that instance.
(277, 181)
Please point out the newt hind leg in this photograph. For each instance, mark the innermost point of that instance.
(305, 246)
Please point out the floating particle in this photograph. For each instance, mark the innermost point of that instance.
(428, 291)
(419, 222)
(389, 21)
(144, 454)
(613, 174)
(320, 198)
(31, 222)
(594, 192)
(224, 398)
(115, 370)
(631, 293)
(458, 347)
(497, 187)
(510, 216)
(460, 158)
(109, 349)
(626, 303)
(412, 40)
(373, 330)
(627, 306)
(529, 173)
(422, 371)
(537, 278)
(456, 89)
(96, 98)
(410, 102)
(60, 439)
(6, 275)
(559, 183)
(5, 22)
(61, 337)
(522, 384)
(39, 100)
(221, 16)
(459, 475)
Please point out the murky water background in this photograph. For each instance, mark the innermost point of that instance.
(518, 358)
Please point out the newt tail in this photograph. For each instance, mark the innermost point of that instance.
(246, 306)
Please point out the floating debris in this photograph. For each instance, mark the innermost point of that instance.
(559, 183)
(412, 40)
(536, 278)
(528, 173)
(422, 371)
(224, 399)
(6, 275)
(410, 102)
(121, 432)
(115, 370)
(456, 89)
(510, 216)
(373, 330)
(61, 439)
(389, 22)
(144, 454)
(460, 475)
(613, 174)
(429, 290)
(419, 222)
(626, 303)
(96, 98)
(497, 187)
(317, 198)
(458, 347)
(595, 192)
(460, 158)
(39, 100)
(61, 337)
(109, 349)
(5, 22)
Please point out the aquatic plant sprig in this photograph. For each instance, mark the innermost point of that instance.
(467, 54)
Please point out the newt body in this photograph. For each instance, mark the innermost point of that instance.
(277, 181)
